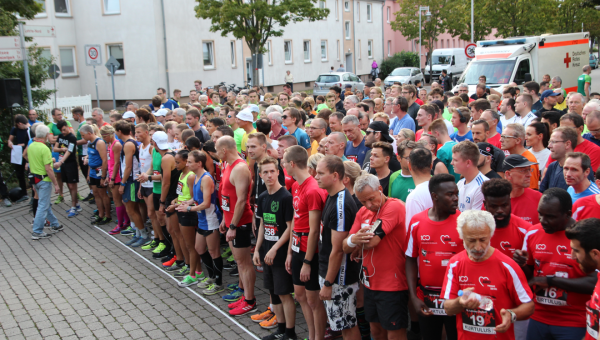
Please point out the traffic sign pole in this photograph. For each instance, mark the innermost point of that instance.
(112, 78)
(96, 81)
(26, 68)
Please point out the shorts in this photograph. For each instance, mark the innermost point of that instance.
(390, 309)
(243, 236)
(276, 278)
(130, 191)
(341, 309)
(83, 167)
(188, 219)
(69, 173)
(156, 200)
(97, 182)
(168, 201)
(146, 192)
(204, 232)
(540, 330)
(313, 282)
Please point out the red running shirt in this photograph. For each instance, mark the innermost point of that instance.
(525, 206)
(229, 197)
(383, 266)
(307, 197)
(550, 255)
(510, 238)
(499, 278)
(587, 148)
(586, 207)
(592, 314)
(434, 243)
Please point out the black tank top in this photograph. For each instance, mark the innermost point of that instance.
(435, 163)
(172, 194)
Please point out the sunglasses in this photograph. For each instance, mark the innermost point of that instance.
(284, 117)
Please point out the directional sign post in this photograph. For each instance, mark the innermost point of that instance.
(40, 31)
(113, 65)
(94, 57)
(54, 72)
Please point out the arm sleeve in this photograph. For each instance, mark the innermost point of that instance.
(477, 200)
(450, 286)
(412, 242)
(13, 132)
(517, 284)
(47, 157)
(357, 221)
(288, 205)
(315, 200)
(259, 204)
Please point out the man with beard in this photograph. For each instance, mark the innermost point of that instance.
(433, 240)
(482, 270)
(585, 248)
(562, 288)
(378, 132)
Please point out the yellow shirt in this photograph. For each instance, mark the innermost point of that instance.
(244, 141)
(313, 148)
(561, 107)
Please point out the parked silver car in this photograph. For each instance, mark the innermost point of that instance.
(327, 80)
(404, 75)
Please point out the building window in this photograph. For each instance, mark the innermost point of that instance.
(287, 48)
(208, 54)
(269, 56)
(347, 6)
(442, 43)
(112, 7)
(359, 51)
(448, 43)
(337, 10)
(68, 65)
(232, 45)
(369, 16)
(62, 8)
(322, 4)
(324, 50)
(370, 49)
(389, 48)
(388, 15)
(116, 50)
(358, 11)
(46, 54)
(338, 50)
(347, 26)
(306, 46)
(43, 13)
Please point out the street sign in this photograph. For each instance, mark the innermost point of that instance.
(39, 31)
(54, 71)
(112, 62)
(470, 50)
(10, 42)
(11, 55)
(92, 55)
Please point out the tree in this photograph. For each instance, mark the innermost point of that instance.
(518, 17)
(257, 20)
(407, 21)
(458, 20)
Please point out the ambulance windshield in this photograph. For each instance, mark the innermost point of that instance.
(496, 71)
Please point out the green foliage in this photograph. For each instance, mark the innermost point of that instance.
(458, 20)
(402, 59)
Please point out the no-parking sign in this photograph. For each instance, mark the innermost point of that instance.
(470, 50)
(93, 55)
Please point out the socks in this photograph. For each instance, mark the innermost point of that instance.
(281, 328)
(208, 262)
(137, 233)
(168, 241)
(120, 215)
(251, 302)
(291, 332)
(180, 262)
(144, 233)
(126, 220)
(35, 206)
(218, 268)
(363, 325)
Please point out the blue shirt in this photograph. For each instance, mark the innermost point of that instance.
(591, 190)
(405, 123)
(31, 122)
(169, 104)
(301, 137)
(591, 138)
(357, 154)
(555, 178)
(457, 138)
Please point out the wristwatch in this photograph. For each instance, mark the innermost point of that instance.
(327, 284)
(123, 184)
(513, 316)
(306, 261)
(189, 208)
(232, 226)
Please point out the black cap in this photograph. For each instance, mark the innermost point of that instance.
(370, 84)
(515, 161)
(439, 104)
(384, 129)
(486, 149)
(348, 86)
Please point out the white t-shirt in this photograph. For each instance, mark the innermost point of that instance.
(505, 122)
(542, 157)
(174, 145)
(417, 201)
(450, 127)
(525, 121)
(469, 195)
(146, 163)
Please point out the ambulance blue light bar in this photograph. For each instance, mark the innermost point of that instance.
(502, 42)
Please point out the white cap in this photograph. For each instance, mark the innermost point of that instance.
(245, 115)
(161, 112)
(128, 115)
(161, 140)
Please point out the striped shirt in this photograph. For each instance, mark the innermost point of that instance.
(469, 194)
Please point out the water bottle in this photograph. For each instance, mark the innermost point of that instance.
(485, 303)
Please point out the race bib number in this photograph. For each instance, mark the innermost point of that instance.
(479, 321)
(271, 233)
(179, 188)
(295, 243)
(434, 302)
(84, 150)
(225, 203)
(353, 158)
(591, 320)
(551, 296)
(156, 173)
(71, 147)
(60, 158)
(99, 172)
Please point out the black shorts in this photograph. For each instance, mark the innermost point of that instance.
(146, 192)
(97, 182)
(276, 278)
(390, 309)
(83, 167)
(188, 219)
(156, 200)
(69, 173)
(243, 236)
(130, 191)
(206, 233)
(313, 283)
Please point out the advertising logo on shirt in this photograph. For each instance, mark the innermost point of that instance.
(540, 247)
(425, 237)
(463, 279)
(483, 280)
(563, 250)
(505, 245)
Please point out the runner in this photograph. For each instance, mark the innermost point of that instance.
(66, 145)
(98, 166)
(113, 181)
(275, 210)
(237, 216)
(77, 113)
(433, 240)
(57, 116)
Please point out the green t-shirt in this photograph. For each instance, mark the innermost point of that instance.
(321, 106)
(447, 115)
(39, 155)
(445, 155)
(238, 135)
(400, 185)
(156, 163)
(78, 135)
(584, 78)
(54, 129)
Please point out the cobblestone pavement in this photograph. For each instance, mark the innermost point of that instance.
(84, 284)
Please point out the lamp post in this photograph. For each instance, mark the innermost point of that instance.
(427, 18)
(472, 22)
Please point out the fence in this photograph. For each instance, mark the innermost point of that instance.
(66, 104)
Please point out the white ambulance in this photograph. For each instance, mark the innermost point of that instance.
(523, 59)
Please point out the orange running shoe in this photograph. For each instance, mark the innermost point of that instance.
(170, 262)
(270, 323)
(264, 316)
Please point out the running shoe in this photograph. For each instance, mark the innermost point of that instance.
(330, 335)
(72, 212)
(95, 213)
(88, 198)
(234, 273)
(79, 197)
(116, 230)
(141, 241)
(22, 199)
(166, 251)
(150, 245)
(132, 241)
(266, 315)
(175, 267)
(77, 208)
(159, 247)
(287, 337)
(96, 219)
(200, 276)
(187, 281)
(59, 199)
(170, 262)
(92, 201)
(7, 203)
(39, 236)
(252, 249)
(56, 228)
(183, 272)
(232, 286)
(127, 230)
(105, 220)
(243, 309)
(270, 323)
(259, 269)
(226, 253)
(230, 265)
(204, 283)
(274, 336)
(236, 303)
(213, 289)
(234, 296)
